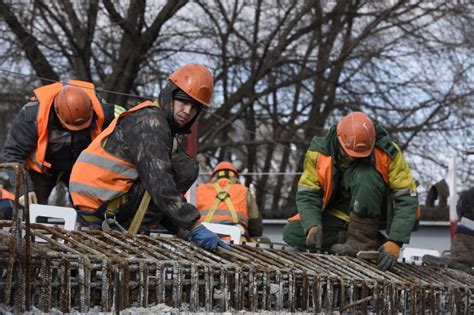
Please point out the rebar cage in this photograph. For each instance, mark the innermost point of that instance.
(54, 269)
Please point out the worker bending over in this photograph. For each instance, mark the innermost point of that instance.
(50, 132)
(355, 182)
(129, 167)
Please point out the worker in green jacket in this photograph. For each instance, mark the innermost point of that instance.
(355, 183)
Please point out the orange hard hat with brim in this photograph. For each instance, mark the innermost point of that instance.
(73, 108)
(196, 81)
(225, 166)
(356, 134)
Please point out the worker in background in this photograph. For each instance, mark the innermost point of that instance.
(462, 246)
(50, 132)
(224, 200)
(352, 177)
(130, 168)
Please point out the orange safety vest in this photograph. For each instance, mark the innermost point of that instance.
(45, 96)
(324, 172)
(223, 202)
(98, 177)
(5, 194)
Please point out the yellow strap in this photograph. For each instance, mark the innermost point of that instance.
(109, 215)
(112, 206)
(339, 214)
(140, 214)
(235, 218)
(210, 214)
(90, 218)
(227, 200)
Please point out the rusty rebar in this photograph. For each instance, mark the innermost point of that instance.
(81, 270)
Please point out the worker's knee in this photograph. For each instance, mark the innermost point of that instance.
(293, 235)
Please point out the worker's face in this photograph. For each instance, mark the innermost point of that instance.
(346, 156)
(183, 112)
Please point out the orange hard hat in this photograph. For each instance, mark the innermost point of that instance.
(196, 81)
(225, 166)
(356, 134)
(73, 107)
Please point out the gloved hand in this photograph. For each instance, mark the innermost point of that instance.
(205, 238)
(388, 255)
(314, 237)
(31, 199)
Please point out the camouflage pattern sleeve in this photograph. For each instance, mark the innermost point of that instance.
(149, 141)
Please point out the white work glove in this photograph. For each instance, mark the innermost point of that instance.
(31, 199)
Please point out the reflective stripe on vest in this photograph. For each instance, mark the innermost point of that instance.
(45, 96)
(99, 177)
(324, 171)
(206, 200)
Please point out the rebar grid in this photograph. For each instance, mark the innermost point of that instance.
(80, 270)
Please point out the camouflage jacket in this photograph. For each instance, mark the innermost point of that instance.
(145, 139)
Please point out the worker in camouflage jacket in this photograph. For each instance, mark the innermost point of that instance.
(133, 159)
(355, 182)
(50, 132)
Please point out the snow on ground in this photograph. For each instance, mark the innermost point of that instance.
(162, 309)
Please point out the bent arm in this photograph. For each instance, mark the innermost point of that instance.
(309, 198)
(405, 199)
(150, 141)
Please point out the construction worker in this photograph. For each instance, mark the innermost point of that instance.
(226, 201)
(50, 131)
(462, 247)
(129, 169)
(352, 176)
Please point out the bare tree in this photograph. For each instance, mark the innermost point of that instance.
(284, 71)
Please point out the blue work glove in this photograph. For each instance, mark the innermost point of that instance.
(205, 238)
